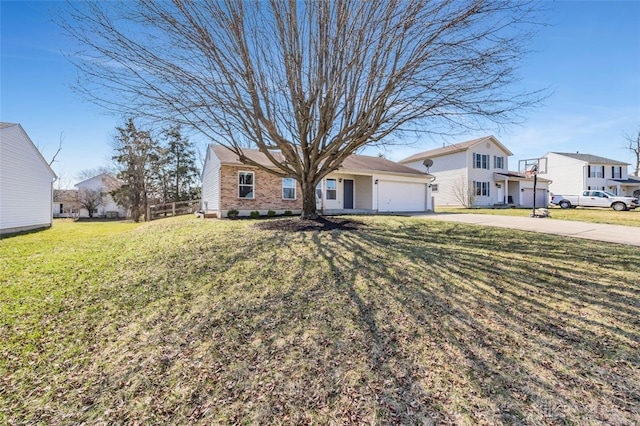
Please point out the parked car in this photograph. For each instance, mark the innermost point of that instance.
(595, 199)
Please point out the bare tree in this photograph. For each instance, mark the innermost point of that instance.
(464, 193)
(57, 151)
(317, 80)
(89, 199)
(633, 144)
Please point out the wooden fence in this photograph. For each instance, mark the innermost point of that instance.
(178, 208)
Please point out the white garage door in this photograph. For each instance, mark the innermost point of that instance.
(401, 196)
(541, 198)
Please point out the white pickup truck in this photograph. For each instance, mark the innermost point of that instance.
(595, 199)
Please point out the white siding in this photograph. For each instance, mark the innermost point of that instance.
(567, 174)
(211, 183)
(450, 172)
(26, 192)
(97, 183)
(486, 175)
(455, 173)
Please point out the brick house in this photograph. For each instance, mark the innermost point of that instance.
(364, 184)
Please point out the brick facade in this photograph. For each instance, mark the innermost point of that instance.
(267, 192)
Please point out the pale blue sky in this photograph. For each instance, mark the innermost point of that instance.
(589, 58)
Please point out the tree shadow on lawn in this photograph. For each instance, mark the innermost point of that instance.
(534, 339)
(526, 344)
(399, 322)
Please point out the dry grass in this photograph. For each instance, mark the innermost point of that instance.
(403, 321)
(581, 214)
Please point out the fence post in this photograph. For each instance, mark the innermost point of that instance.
(173, 209)
(148, 218)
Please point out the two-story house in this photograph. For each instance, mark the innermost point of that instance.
(572, 173)
(94, 193)
(26, 183)
(476, 173)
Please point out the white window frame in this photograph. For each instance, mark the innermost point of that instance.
(596, 172)
(252, 185)
(434, 187)
(331, 193)
(617, 175)
(481, 161)
(481, 189)
(498, 162)
(289, 183)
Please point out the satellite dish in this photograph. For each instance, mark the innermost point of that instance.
(428, 163)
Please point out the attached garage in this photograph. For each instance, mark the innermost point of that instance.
(542, 200)
(396, 196)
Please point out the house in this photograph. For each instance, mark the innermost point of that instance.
(26, 183)
(574, 172)
(363, 184)
(93, 194)
(476, 173)
(65, 203)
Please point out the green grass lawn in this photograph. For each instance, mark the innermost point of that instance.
(404, 321)
(582, 214)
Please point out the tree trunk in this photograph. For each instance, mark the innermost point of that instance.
(309, 210)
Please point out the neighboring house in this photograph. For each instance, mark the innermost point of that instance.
(26, 183)
(362, 185)
(476, 173)
(574, 172)
(65, 203)
(94, 192)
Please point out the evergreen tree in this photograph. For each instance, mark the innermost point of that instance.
(136, 153)
(180, 165)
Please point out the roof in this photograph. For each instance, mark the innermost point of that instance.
(519, 176)
(453, 148)
(65, 195)
(3, 125)
(630, 181)
(110, 180)
(592, 159)
(354, 162)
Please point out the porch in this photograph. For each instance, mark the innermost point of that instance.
(336, 212)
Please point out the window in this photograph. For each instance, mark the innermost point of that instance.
(596, 188)
(616, 172)
(480, 161)
(481, 188)
(332, 189)
(288, 188)
(498, 162)
(596, 171)
(245, 184)
(434, 187)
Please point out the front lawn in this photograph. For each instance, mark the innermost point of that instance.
(402, 321)
(581, 214)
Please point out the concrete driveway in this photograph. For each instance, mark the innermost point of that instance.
(592, 231)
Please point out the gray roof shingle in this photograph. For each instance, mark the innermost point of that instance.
(592, 159)
(354, 162)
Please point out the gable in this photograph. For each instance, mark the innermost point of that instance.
(15, 134)
(455, 148)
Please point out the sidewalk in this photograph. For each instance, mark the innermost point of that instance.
(593, 231)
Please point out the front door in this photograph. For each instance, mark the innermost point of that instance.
(348, 193)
